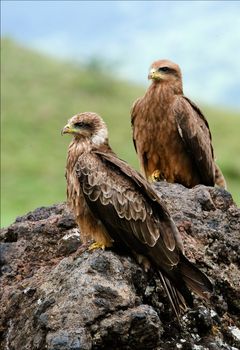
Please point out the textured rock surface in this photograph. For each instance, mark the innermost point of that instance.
(57, 295)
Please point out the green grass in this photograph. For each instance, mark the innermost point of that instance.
(39, 94)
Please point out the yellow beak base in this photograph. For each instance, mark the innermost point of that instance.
(67, 130)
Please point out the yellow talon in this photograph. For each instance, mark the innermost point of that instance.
(156, 176)
(96, 245)
(215, 330)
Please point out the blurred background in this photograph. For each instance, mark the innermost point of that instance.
(63, 57)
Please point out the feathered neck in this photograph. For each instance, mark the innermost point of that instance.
(79, 146)
(75, 149)
(164, 90)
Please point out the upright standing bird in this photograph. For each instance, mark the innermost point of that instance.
(114, 204)
(170, 134)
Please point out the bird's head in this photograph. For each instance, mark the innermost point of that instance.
(87, 126)
(164, 71)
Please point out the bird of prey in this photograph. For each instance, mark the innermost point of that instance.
(114, 204)
(170, 133)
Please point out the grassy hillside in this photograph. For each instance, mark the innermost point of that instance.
(39, 94)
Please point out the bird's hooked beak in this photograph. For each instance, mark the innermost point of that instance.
(154, 74)
(67, 129)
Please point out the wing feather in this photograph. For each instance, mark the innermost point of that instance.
(136, 230)
(126, 195)
(169, 240)
(133, 113)
(143, 199)
(133, 213)
(194, 131)
(94, 195)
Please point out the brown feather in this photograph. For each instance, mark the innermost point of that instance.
(113, 202)
(171, 135)
(196, 136)
(176, 299)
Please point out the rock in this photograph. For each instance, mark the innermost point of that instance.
(135, 328)
(70, 242)
(57, 295)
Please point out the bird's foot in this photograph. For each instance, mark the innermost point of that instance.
(156, 176)
(96, 245)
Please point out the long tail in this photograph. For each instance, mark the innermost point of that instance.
(179, 283)
(195, 280)
(219, 178)
(175, 297)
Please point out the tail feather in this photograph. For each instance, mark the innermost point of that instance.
(177, 303)
(195, 279)
(179, 283)
(196, 287)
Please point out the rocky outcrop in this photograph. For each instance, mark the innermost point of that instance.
(58, 295)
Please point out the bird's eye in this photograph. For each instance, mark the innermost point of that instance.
(164, 69)
(82, 125)
(79, 125)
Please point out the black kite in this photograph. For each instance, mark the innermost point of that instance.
(114, 204)
(170, 133)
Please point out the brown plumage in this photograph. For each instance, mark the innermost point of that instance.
(114, 204)
(170, 133)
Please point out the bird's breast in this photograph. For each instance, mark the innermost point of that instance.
(159, 144)
(90, 227)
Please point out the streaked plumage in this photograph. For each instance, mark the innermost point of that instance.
(114, 204)
(170, 133)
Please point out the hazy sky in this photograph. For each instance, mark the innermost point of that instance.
(203, 37)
